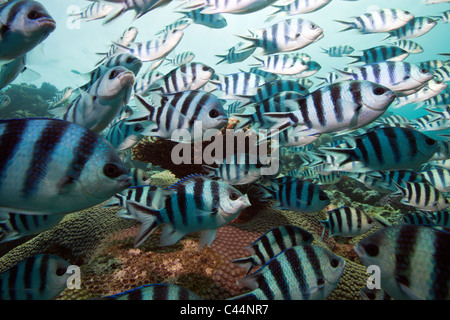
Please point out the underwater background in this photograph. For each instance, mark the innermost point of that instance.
(101, 243)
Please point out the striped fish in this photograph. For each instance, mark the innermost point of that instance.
(272, 243)
(25, 24)
(370, 181)
(390, 178)
(139, 177)
(441, 218)
(140, 7)
(128, 37)
(146, 195)
(154, 49)
(430, 123)
(60, 97)
(326, 179)
(417, 219)
(408, 46)
(191, 76)
(413, 261)
(441, 163)
(312, 67)
(146, 82)
(439, 178)
(15, 226)
(95, 11)
(304, 272)
(385, 148)
(50, 166)
(182, 58)
(294, 195)
(402, 77)
(40, 277)
(413, 29)
(195, 204)
(123, 135)
(239, 85)
(155, 291)
(179, 24)
(380, 54)
(438, 100)
(382, 20)
(442, 73)
(444, 17)
(242, 168)
(422, 196)
(213, 21)
(431, 65)
(227, 6)
(339, 106)
(125, 60)
(183, 111)
(235, 54)
(346, 222)
(287, 35)
(272, 88)
(5, 101)
(297, 7)
(268, 77)
(282, 64)
(339, 51)
(101, 103)
(431, 89)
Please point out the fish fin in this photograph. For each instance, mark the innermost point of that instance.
(207, 237)
(246, 263)
(170, 236)
(281, 120)
(116, 200)
(404, 287)
(350, 25)
(192, 178)
(342, 155)
(114, 14)
(149, 218)
(210, 171)
(123, 213)
(326, 225)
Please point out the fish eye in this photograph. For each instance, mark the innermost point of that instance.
(372, 249)
(430, 141)
(423, 70)
(438, 81)
(129, 60)
(113, 74)
(234, 196)
(111, 171)
(313, 26)
(205, 68)
(33, 15)
(60, 272)
(379, 91)
(407, 12)
(214, 113)
(334, 263)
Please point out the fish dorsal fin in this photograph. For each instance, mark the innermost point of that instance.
(192, 178)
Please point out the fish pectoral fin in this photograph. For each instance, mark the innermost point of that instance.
(406, 290)
(66, 184)
(207, 237)
(170, 236)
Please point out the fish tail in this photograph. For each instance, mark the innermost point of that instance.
(342, 155)
(247, 263)
(357, 59)
(350, 25)
(222, 57)
(149, 218)
(113, 15)
(324, 50)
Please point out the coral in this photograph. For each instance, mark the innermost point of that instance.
(28, 101)
(352, 281)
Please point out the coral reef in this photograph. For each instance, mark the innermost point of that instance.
(28, 101)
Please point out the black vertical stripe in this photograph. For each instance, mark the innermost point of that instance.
(441, 280)
(268, 248)
(404, 250)
(182, 204)
(375, 145)
(335, 93)
(277, 272)
(10, 141)
(318, 105)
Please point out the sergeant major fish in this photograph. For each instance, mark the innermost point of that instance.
(272, 243)
(97, 107)
(412, 260)
(23, 25)
(303, 272)
(193, 204)
(50, 166)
